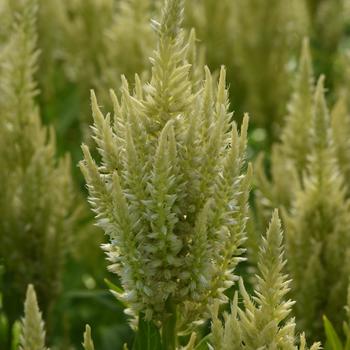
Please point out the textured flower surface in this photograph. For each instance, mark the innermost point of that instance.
(170, 190)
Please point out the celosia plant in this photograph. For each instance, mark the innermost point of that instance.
(264, 322)
(314, 198)
(318, 231)
(36, 202)
(292, 151)
(334, 341)
(289, 156)
(169, 190)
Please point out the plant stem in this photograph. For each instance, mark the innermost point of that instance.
(169, 337)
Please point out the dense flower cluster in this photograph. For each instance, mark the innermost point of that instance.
(170, 191)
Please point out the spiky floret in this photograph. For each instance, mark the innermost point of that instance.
(264, 322)
(318, 231)
(170, 190)
(36, 202)
(32, 327)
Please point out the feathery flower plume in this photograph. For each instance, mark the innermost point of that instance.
(170, 190)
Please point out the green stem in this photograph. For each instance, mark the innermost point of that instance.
(169, 336)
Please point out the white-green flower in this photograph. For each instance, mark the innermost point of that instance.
(169, 189)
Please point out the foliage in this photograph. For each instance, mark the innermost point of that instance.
(333, 340)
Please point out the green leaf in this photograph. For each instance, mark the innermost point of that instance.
(347, 344)
(332, 337)
(3, 328)
(347, 334)
(113, 286)
(203, 344)
(147, 336)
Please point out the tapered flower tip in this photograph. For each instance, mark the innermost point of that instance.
(305, 56)
(88, 344)
(172, 18)
(222, 93)
(321, 117)
(30, 294)
(274, 235)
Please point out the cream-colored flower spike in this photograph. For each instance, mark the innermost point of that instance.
(318, 231)
(263, 322)
(290, 155)
(36, 202)
(295, 137)
(32, 328)
(170, 190)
